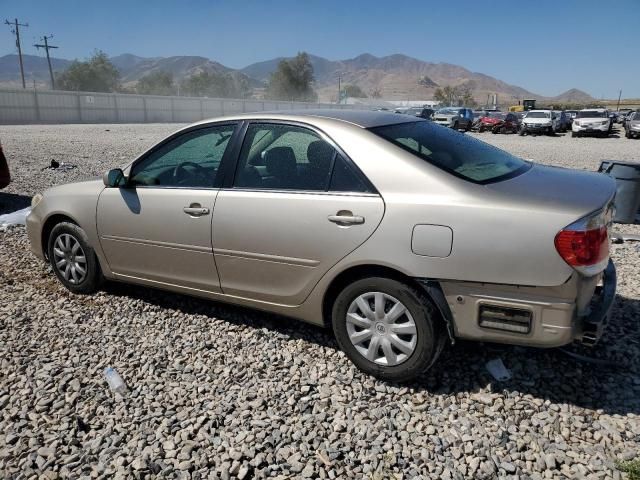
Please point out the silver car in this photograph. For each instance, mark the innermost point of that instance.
(396, 232)
(632, 125)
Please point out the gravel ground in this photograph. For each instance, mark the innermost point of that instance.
(216, 391)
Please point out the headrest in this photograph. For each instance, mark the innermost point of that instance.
(280, 162)
(319, 154)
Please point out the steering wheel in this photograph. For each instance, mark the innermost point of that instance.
(200, 171)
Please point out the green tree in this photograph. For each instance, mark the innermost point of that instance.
(293, 80)
(212, 84)
(97, 74)
(354, 91)
(446, 95)
(466, 97)
(453, 96)
(156, 83)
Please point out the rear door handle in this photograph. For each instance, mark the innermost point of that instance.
(346, 219)
(195, 210)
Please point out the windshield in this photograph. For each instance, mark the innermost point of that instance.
(592, 114)
(538, 115)
(448, 111)
(460, 155)
(497, 115)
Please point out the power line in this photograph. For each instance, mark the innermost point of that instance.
(16, 31)
(47, 47)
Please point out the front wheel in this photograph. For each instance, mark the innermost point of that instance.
(73, 260)
(388, 329)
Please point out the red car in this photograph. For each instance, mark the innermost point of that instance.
(5, 178)
(490, 119)
(499, 122)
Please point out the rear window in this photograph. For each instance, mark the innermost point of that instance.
(454, 152)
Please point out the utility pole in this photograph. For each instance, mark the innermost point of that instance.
(16, 31)
(47, 47)
(619, 96)
(339, 89)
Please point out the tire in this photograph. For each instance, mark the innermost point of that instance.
(573, 134)
(61, 247)
(521, 132)
(455, 126)
(627, 134)
(426, 341)
(481, 129)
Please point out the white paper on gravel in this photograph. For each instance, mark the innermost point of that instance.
(18, 217)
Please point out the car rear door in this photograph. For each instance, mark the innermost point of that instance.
(158, 227)
(293, 208)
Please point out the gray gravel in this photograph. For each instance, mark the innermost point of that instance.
(221, 392)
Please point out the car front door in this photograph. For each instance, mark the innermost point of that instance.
(158, 226)
(294, 207)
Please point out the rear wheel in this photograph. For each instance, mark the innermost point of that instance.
(387, 329)
(455, 125)
(73, 260)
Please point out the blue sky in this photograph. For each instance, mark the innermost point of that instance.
(544, 46)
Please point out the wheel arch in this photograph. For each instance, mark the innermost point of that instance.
(429, 287)
(48, 226)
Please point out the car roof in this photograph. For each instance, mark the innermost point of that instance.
(593, 110)
(360, 118)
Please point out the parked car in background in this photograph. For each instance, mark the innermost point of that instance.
(509, 124)
(5, 176)
(477, 116)
(632, 126)
(564, 120)
(351, 219)
(422, 112)
(623, 113)
(489, 119)
(454, 117)
(540, 121)
(591, 121)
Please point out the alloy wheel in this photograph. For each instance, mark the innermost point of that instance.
(381, 328)
(70, 259)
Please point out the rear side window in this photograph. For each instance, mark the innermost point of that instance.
(290, 157)
(453, 152)
(345, 179)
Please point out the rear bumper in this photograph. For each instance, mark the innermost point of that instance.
(557, 314)
(594, 324)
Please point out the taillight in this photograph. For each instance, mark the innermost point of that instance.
(585, 244)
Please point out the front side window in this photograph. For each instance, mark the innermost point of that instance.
(190, 160)
(460, 155)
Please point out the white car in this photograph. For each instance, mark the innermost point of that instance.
(540, 121)
(591, 121)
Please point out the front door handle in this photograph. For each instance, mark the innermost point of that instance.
(344, 218)
(196, 210)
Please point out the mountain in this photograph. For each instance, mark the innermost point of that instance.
(399, 77)
(574, 96)
(394, 77)
(35, 68)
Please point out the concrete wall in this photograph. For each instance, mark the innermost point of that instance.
(52, 107)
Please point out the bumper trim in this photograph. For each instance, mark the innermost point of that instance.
(594, 324)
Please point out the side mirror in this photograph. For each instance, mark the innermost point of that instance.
(114, 178)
